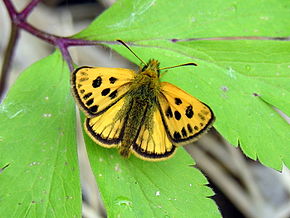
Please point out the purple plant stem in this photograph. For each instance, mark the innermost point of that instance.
(65, 53)
(27, 10)
(10, 8)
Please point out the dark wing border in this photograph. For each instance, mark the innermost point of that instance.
(100, 139)
(152, 156)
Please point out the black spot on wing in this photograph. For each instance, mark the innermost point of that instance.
(94, 109)
(205, 112)
(183, 132)
(90, 101)
(82, 91)
(201, 116)
(83, 73)
(83, 79)
(178, 101)
(168, 113)
(112, 79)
(105, 91)
(196, 128)
(86, 96)
(176, 135)
(113, 94)
(189, 111)
(177, 115)
(97, 82)
(189, 128)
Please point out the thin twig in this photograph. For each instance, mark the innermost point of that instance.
(65, 53)
(28, 9)
(10, 8)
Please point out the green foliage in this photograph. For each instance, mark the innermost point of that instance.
(37, 128)
(38, 141)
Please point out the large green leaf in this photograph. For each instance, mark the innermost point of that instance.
(136, 188)
(37, 140)
(242, 80)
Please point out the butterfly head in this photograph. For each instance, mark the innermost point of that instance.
(151, 69)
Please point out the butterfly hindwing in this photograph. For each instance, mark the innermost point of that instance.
(107, 129)
(185, 118)
(97, 88)
(152, 142)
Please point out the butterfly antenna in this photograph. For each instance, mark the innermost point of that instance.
(123, 43)
(180, 65)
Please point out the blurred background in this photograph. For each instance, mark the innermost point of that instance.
(243, 187)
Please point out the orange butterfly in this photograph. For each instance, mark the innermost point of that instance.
(137, 113)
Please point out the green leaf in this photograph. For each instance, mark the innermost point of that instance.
(243, 81)
(157, 19)
(38, 143)
(136, 188)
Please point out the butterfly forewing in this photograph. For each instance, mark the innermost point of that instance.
(98, 88)
(152, 142)
(185, 117)
(107, 130)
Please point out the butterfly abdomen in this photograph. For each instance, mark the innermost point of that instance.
(135, 118)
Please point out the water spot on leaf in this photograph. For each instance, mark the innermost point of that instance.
(47, 115)
(117, 168)
(248, 67)
(34, 163)
(264, 18)
(157, 193)
(231, 73)
(224, 88)
(123, 202)
(46, 98)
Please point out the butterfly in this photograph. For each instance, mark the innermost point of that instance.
(136, 112)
